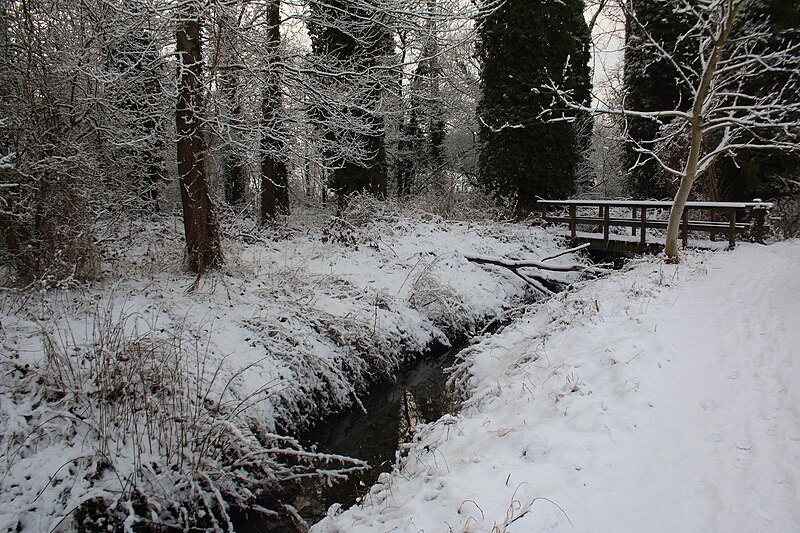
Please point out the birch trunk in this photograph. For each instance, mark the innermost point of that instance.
(692, 170)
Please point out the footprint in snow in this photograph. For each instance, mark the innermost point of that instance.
(714, 437)
(744, 449)
(708, 405)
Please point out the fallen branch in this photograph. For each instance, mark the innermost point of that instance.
(514, 265)
(543, 285)
(565, 252)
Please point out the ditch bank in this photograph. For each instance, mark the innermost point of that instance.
(152, 402)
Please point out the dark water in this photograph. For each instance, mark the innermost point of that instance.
(419, 395)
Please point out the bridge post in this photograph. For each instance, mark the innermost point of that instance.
(685, 226)
(759, 223)
(572, 222)
(643, 229)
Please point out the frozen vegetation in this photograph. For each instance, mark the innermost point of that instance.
(168, 403)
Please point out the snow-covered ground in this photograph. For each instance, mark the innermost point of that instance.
(660, 399)
(151, 397)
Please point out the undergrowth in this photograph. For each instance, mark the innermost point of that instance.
(152, 436)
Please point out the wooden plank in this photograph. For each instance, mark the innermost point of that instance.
(656, 203)
(759, 223)
(693, 225)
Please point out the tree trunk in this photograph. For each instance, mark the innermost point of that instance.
(692, 163)
(681, 197)
(204, 248)
(274, 171)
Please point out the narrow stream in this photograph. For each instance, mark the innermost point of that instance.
(418, 395)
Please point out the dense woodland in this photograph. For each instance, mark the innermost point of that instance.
(251, 105)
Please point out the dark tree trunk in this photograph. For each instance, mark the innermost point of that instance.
(204, 248)
(274, 171)
(234, 173)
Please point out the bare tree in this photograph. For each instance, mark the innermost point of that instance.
(234, 172)
(274, 170)
(726, 115)
(204, 247)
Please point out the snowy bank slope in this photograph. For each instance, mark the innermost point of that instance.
(138, 393)
(660, 399)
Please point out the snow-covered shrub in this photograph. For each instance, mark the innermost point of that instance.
(353, 225)
(148, 430)
(435, 299)
(785, 214)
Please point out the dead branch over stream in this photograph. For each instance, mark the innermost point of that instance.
(540, 283)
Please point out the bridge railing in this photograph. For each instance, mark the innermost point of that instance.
(729, 219)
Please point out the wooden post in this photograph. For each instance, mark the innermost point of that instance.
(732, 230)
(633, 217)
(759, 223)
(605, 225)
(714, 218)
(643, 229)
(685, 226)
(572, 223)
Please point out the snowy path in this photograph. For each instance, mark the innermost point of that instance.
(662, 399)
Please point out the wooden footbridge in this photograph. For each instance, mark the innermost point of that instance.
(632, 226)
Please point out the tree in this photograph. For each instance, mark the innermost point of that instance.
(524, 44)
(721, 111)
(352, 46)
(274, 170)
(234, 172)
(203, 242)
(50, 104)
(651, 84)
(728, 114)
(754, 173)
(427, 103)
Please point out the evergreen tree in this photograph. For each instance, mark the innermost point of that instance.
(351, 42)
(756, 173)
(652, 83)
(524, 45)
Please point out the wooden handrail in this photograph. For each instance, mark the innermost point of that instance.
(722, 220)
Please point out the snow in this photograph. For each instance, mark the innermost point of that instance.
(296, 325)
(658, 398)
(662, 398)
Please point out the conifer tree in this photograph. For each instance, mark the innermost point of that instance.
(524, 44)
(351, 42)
(652, 83)
(750, 174)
